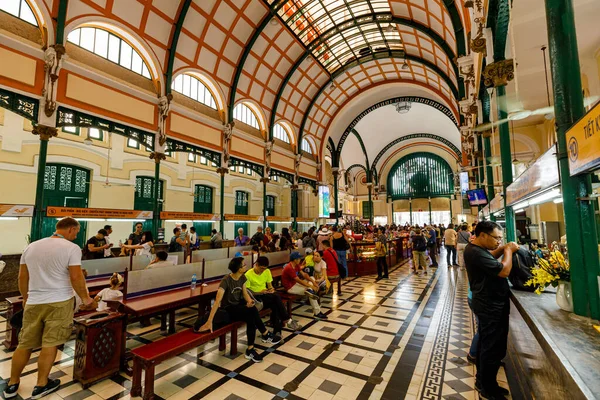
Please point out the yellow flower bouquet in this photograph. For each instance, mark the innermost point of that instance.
(550, 271)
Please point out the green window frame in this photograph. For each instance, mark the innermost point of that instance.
(420, 175)
(144, 197)
(203, 203)
(366, 210)
(71, 130)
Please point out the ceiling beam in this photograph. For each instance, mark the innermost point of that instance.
(61, 19)
(173, 45)
(362, 146)
(364, 19)
(368, 58)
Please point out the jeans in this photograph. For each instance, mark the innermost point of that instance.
(432, 251)
(450, 250)
(240, 312)
(491, 349)
(278, 311)
(300, 291)
(382, 266)
(342, 257)
(475, 341)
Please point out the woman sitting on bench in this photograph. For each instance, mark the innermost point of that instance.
(234, 301)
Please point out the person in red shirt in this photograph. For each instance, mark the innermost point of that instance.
(331, 259)
(295, 281)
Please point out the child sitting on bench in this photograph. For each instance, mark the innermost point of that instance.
(110, 293)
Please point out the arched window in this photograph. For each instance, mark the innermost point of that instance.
(279, 132)
(420, 175)
(306, 146)
(244, 114)
(191, 87)
(111, 47)
(20, 9)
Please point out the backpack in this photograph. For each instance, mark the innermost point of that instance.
(521, 271)
(174, 246)
(419, 243)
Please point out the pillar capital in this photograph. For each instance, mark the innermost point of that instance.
(499, 73)
(45, 132)
(479, 43)
(157, 157)
(264, 179)
(222, 171)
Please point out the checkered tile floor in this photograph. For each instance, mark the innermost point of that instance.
(402, 337)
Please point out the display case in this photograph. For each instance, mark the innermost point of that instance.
(363, 261)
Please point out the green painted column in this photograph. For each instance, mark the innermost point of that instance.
(335, 173)
(489, 171)
(45, 133)
(580, 224)
(506, 157)
(264, 181)
(410, 210)
(450, 206)
(480, 170)
(430, 217)
(156, 206)
(369, 187)
(222, 171)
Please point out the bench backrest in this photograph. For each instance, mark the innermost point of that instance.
(162, 279)
(108, 266)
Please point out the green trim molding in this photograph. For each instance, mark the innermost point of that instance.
(25, 106)
(174, 42)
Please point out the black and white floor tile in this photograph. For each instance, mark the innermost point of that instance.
(405, 337)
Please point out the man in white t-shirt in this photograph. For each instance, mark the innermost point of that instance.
(160, 261)
(49, 272)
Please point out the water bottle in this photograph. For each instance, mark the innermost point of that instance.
(193, 286)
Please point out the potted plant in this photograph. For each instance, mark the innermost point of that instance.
(554, 271)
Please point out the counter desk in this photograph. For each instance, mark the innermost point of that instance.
(362, 260)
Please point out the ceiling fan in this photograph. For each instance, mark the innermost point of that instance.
(107, 183)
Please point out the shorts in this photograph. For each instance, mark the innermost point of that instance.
(46, 325)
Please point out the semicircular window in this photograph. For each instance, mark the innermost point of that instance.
(244, 114)
(279, 132)
(111, 47)
(20, 9)
(306, 146)
(420, 175)
(193, 88)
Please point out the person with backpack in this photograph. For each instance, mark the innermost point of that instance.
(419, 244)
(432, 245)
(330, 257)
(381, 251)
(463, 238)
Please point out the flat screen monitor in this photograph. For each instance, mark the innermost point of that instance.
(477, 197)
(464, 182)
(324, 201)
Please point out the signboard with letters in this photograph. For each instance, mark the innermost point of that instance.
(241, 217)
(76, 212)
(188, 216)
(583, 142)
(273, 218)
(541, 175)
(16, 210)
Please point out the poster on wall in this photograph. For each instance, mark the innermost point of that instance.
(324, 201)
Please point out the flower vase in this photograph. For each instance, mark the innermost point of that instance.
(564, 296)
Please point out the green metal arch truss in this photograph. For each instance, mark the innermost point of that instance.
(416, 136)
(364, 19)
(375, 56)
(175, 146)
(173, 45)
(285, 175)
(362, 146)
(413, 99)
(61, 20)
(434, 178)
(259, 169)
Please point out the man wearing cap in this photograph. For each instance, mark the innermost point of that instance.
(95, 246)
(295, 281)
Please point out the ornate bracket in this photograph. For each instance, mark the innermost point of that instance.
(45, 132)
(53, 57)
(164, 106)
(478, 43)
(499, 73)
(157, 157)
(227, 133)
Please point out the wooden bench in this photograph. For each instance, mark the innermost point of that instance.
(290, 298)
(147, 357)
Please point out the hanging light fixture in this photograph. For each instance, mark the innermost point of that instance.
(405, 65)
(403, 107)
(390, 28)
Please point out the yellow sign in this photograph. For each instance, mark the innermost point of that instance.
(583, 142)
(15, 210)
(187, 216)
(241, 217)
(272, 218)
(97, 213)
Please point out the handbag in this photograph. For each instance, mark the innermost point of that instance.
(257, 303)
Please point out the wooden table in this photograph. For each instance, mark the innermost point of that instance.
(15, 304)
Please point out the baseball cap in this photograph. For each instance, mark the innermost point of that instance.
(239, 254)
(308, 250)
(295, 256)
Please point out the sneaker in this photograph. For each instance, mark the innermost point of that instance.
(320, 315)
(311, 294)
(471, 359)
(253, 355)
(41, 391)
(385, 277)
(270, 337)
(10, 391)
(293, 325)
(501, 391)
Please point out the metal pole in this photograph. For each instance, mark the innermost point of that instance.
(506, 157)
(335, 173)
(222, 205)
(410, 211)
(264, 181)
(430, 218)
(295, 208)
(156, 210)
(568, 108)
(38, 216)
(370, 186)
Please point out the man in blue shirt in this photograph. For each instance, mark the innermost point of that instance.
(432, 245)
